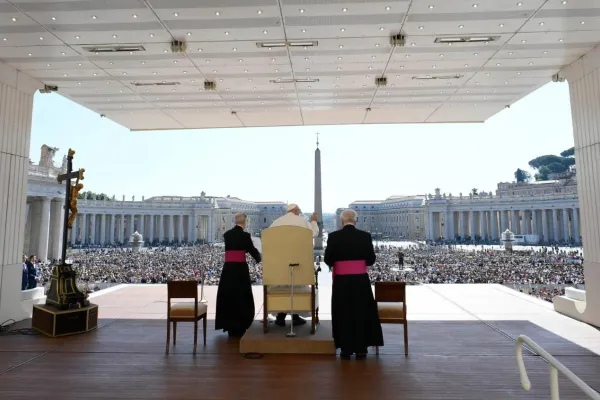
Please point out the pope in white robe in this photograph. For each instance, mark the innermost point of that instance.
(293, 218)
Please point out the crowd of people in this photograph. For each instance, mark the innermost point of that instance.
(542, 272)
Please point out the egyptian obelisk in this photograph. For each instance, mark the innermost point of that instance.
(318, 197)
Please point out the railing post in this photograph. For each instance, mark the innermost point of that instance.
(554, 394)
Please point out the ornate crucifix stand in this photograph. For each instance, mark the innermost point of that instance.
(64, 293)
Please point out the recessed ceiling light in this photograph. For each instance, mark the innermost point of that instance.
(265, 32)
(337, 78)
(154, 73)
(475, 5)
(541, 24)
(134, 15)
(95, 74)
(510, 53)
(176, 14)
(561, 40)
(111, 63)
(276, 70)
(303, 30)
(341, 46)
(582, 22)
(545, 52)
(501, 25)
(523, 41)
(530, 63)
(227, 33)
(47, 65)
(518, 73)
(344, 9)
(461, 26)
(53, 18)
(29, 54)
(388, 8)
(189, 33)
(175, 62)
(431, 7)
(94, 17)
(342, 30)
(272, 59)
(519, 4)
(382, 28)
(124, 73)
(421, 27)
(564, 2)
(259, 12)
(217, 13)
(214, 71)
(199, 50)
(466, 65)
(79, 64)
(65, 75)
(301, 10)
(497, 64)
(207, 61)
(240, 60)
(4, 39)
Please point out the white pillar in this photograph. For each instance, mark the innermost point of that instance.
(555, 226)
(482, 225)
(142, 223)
(131, 225)
(180, 228)
(57, 229)
(448, 225)
(566, 233)
(44, 233)
(494, 222)
(92, 228)
(534, 223)
(575, 225)
(545, 226)
(503, 224)
(102, 239)
(111, 234)
(161, 227)
(170, 228)
(16, 101)
(122, 228)
(151, 228)
(523, 222)
(584, 85)
(472, 229)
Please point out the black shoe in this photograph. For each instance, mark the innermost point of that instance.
(361, 356)
(297, 321)
(345, 356)
(280, 322)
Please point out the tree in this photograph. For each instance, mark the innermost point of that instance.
(522, 176)
(542, 174)
(544, 160)
(569, 152)
(474, 191)
(88, 195)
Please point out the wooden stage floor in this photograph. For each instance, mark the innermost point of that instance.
(461, 346)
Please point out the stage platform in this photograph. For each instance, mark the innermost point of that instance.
(275, 340)
(461, 347)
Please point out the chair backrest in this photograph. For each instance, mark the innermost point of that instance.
(285, 245)
(182, 290)
(390, 292)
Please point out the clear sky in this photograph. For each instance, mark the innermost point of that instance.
(359, 162)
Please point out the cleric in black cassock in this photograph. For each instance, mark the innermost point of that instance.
(354, 313)
(235, 303)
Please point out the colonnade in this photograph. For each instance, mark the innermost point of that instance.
(102, 229)
(552, 225)
(44, 226)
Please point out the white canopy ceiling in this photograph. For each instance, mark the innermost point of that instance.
(530, 41)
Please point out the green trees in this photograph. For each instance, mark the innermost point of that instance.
(93, 196)
(522, 176)
(551, 164)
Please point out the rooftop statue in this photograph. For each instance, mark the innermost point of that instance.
(142, 198)
(123, 197)
(47, 156)
(132, 198)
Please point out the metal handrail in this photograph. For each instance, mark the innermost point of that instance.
(555, 366)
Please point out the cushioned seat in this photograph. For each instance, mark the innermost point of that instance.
(182, 310)
(390, 310)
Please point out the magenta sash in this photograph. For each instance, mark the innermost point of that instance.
(350, 267)
(235, 256)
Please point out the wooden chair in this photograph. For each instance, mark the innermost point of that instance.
(391, 305)
(184, 312)
(283, 246)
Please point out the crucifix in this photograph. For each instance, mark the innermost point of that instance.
(318, 139)
(70, 199)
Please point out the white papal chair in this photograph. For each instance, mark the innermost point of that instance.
(282, 247)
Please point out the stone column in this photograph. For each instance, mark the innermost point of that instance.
(93, 228)
(131, 225)
(42, 252)
(57, 228)
(102, 240)
(122, 228)
(575, 225)
(556, 237)
(151, 228)
(180, 228)
(85, 231)
(514, 226)
(482, 225)
(494, 222)
(545, 226)
(142, 223)
(161, 227)
(448, 221)
(472, 229)
(170, 228)
(503, 224)
(534, 227)
(523, 214)
(111, 236)
(463, 224)
(566, 233)
(430, 233)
